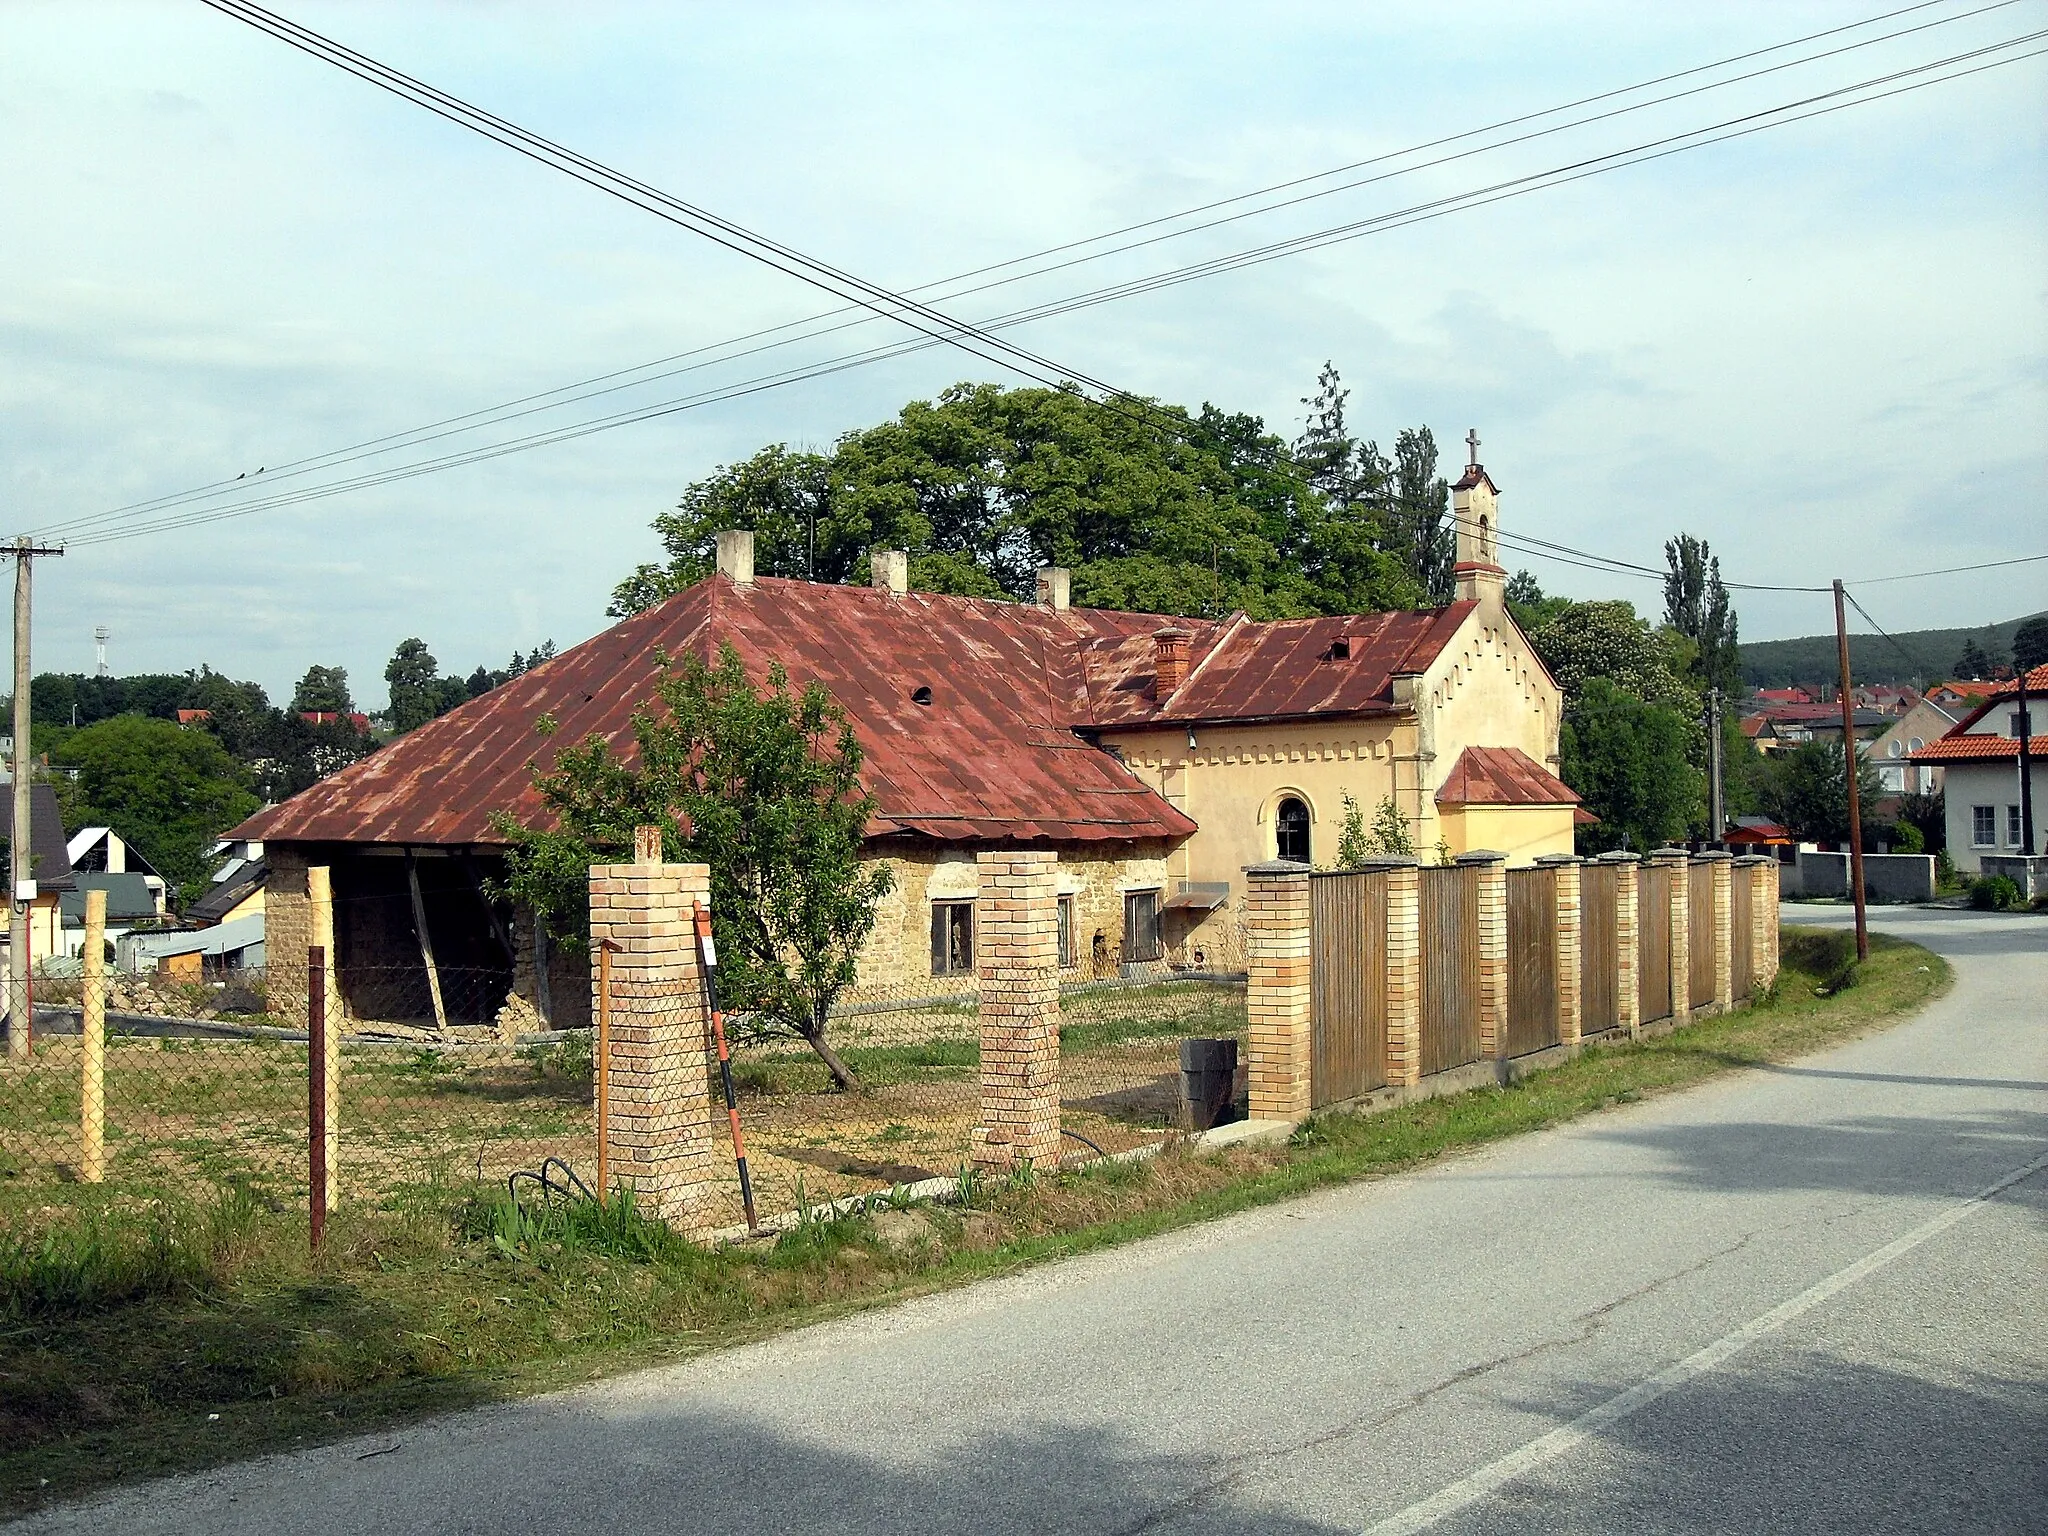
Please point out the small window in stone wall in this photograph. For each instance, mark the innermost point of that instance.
(952, 938)
(1067, 958)
(1141, 926)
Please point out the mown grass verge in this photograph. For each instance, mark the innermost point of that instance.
(146, 1340)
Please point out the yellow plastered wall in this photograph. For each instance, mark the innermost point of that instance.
(1486, 688)
(1522, 832)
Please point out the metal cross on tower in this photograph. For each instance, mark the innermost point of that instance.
(1472, 447)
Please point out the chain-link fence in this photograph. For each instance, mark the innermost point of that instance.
(913, 1099)
(204, 1082)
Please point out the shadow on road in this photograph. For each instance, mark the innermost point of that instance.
(1797, 1441)
(1866, 1154)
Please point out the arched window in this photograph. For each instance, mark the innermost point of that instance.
(1290, 830)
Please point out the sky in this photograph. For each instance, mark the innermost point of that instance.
(1820, 347)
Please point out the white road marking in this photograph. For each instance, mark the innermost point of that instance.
(1469, 1490)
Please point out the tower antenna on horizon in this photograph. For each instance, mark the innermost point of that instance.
(100, 636)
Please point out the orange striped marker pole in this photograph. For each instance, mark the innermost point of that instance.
(709, 951)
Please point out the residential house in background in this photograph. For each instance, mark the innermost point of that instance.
(1891, 752)
(50, 865)
(237, 889)
(103, 850)
(1158, 755)
(1782, 696)
(1962, 694)
(192, 954)
(1981, 762)
(131, 903)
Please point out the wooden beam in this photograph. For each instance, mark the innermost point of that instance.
(490, 909)
(419, 922)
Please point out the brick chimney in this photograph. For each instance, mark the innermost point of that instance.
(890, 571)
(1170, 660)
(1055, 584)
(736, 556)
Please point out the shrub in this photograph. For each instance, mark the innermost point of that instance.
(1995, 893)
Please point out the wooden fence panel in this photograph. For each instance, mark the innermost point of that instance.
(1653, 942)
(1700, 931)
(1348, 986)
(1450, 967)
(1599, 949)
(1532, 960)
(1741, 912)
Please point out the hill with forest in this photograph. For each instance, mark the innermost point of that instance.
(1919, 656)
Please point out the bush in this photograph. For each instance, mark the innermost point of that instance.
(1828, 958)
(1945, 876)
(1995, 893)
(1906, 838)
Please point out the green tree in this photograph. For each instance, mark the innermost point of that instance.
(1148, 506)
(323, 690)
(1627, 760)
(1422, 514)
(1975, 662)
(2030, 643)
(1354, 842)
(1696, 605)
(1809, 792)
(763, 785)
(415, 680)
(170, 790)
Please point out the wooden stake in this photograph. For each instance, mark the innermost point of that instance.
(419, 922)
(92, 1156)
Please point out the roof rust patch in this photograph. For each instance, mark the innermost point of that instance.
(1502, 776)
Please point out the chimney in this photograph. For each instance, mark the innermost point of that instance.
(890, 570)
(1170, 661)
(736, 556)
(1055, 583)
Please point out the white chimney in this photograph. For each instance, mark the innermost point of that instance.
(890, 569)
(1055, 585)
(736, 556)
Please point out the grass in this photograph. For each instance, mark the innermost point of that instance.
(150, 1336)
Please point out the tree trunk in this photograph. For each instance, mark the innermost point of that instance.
(843, 1076)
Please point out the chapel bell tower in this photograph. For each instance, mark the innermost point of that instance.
(1473, 508)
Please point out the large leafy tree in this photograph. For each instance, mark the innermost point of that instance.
(171, 790)
(1696, 605)
(2030, 643)
(763, 785)
(1627, 760)
(1975, 662)
(1150, 508)
(1809, 792)
(323, 690)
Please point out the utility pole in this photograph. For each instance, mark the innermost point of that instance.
(2026, 769)
(21, 872)
(1851, 763)
(1714, 746)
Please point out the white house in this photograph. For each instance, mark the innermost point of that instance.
(1981, 764)
(1892, 753)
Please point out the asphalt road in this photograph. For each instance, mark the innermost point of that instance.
(1779, 1302)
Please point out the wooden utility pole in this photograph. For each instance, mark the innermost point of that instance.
(1714, 746)
(21, 860)
(1851, 763)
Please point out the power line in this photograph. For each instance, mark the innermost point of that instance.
(388, 442)
(1919, 666)
(1419, 213)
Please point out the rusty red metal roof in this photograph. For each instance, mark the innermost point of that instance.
(992, 755)
(1502, 776)
(1242, 670)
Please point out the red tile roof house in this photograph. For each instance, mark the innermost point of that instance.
(1159, 756)
(1981, 764)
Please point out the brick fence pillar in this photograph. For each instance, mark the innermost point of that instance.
(662, 1130)
(1723, 936)
(1628, 983)
(1674, 859)
(1564, 869)
(1404, 975)
(1277, 992)
(1761, 871)
(1017, 968)
(1493, 950)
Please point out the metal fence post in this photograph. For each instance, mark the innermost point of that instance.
(316, 1092)
(603, 1070)
(92, 1126)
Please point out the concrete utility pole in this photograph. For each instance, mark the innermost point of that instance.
(21, 872)
(1851, 763)
(2026, 769)
(1714, 746)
